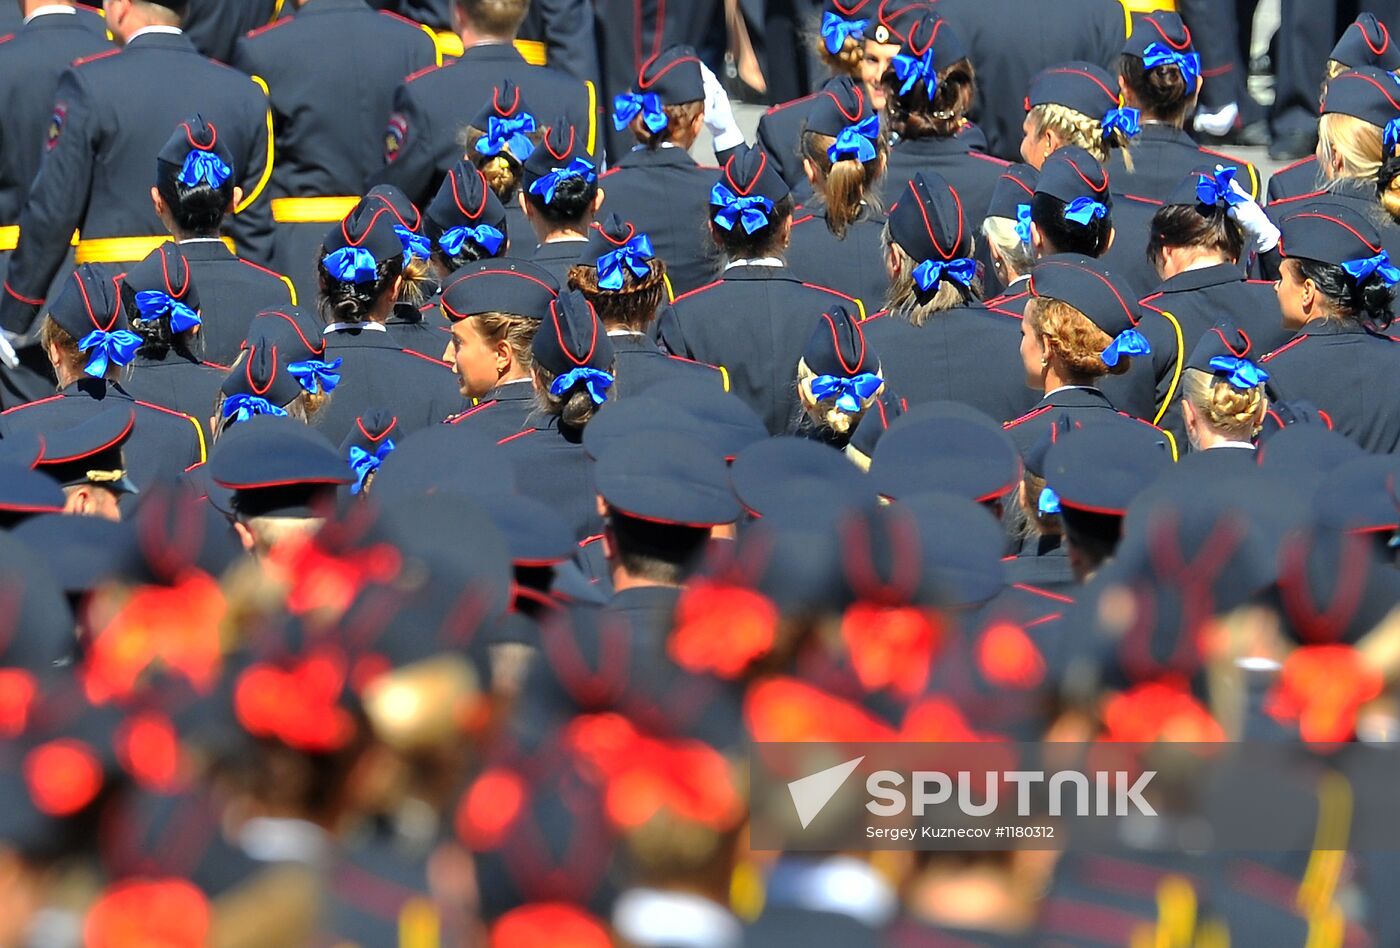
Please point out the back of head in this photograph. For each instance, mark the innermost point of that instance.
(195, 178)
(560, 177)
(1079, 103)
(361, 261)
(1072, 206)
(666, 100)
(750, 206)
(930, 83)
(1161, 68)
(495, 18)
(1341, 252)
(1196, 217)
(842, 141)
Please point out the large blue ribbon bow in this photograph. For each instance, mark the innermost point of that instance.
(836, 29)
(1240, 373)
(108, 348)
(595, 380)
(485, 236)
(352, 265)
(242, 406)
(628, 105)
(204, 166)
(414, 245)
(1129, 342)
(1124, 120)
(578, 168)
(911, 70)
(960, 270)
(1218, 191)
(850, 393)
(856, 141)
(635, 255)
(316, 376)
(1391, 136)
(1082, 210)
(1380, 263)
(1159, 54)
(154, 304)
(752, 211)
(364, 464)
(1049, 503)
(509, 135)
(1023, 223)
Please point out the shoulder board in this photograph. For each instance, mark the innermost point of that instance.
(1140, 199)
(452, 420)
(1037, 591)
(411, 77)
(1146, 305)
(518, 434)
(1295, 164)
(271, 273)
(163, 409)
(999, 162)
(860, 307)
(1147, 300)
(1036, 413)
(790, 103)
(264, 28)
(31, 404)
(698, 289)
(95, 57)
(1283, 348)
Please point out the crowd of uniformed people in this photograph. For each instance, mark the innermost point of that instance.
(422, 481)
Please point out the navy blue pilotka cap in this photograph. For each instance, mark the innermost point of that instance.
(673, 75)
(1227, 352)
(161, 279)
(1099, 469)
(278, 467)
(1161, 27)
(747, 190)
(90, 300)
(563, 153)
(666, 478)
(572, 338)
(398, 203)
(1202, 187)
(369, 443)
(837, 346)
(294, 331)
(1105, 300)
(1331, 233)
(929, 221)
(195, 154)
(1366, 43)
(260, 384)
(91, 452)
(1015, 187)
(366, 238)
(894, 18)
(1070, 174)
(1082, 86)
(967, 454)
(616, 248)
(465, 209)
(515, 287)
(928, 33)
(841, 104)
(1369, 93)
(506, 104)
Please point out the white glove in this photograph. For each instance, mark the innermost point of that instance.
(719, 115)
(1261, 231)
(7, 349)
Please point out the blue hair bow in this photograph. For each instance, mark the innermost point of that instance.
(1391, 136)
(1240, 373)
(635, 255)
(364, 464)
(104, 348)
(414, 245)
(154, 304)
(544, 186)
(1159, 54)
(850, 393)
(1123, 120)
(835, 31)
(242, 406)
(752, 211)
(595, 380)
(856, 141)
(1218, 191)
(1082, 210)
(316, 376)
(1380, 263)
(509, 135)
(628, 105)
(910, 70)
(204, 166)
(484, 236)
(1023, 223)
(1049, 503)
(352, 265)
(1129, 342)
(961, 270)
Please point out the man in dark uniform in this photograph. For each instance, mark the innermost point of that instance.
(431, 108)
(87, 461)
(214, 26)
(326, 151)
(110, 115)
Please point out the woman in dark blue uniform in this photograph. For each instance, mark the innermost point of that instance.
(495, 307)
(409, 324)
(657, 185)
(928, 89)
(573, 375)
(1076, 104)
(1005, 252)
(560, 196)
(1223, 402)
(756, 319)
(262, 384)
(937, 341)
(361, 269)
(162, 305)
(1160, 75)
(837, 240)
(465, 222)
(1336, 291)
(840, 385)
(499, 139)
(626, 282)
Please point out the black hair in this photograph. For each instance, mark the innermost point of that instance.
(157, 339)
(769, 241)
(1094, 535)
(1209, 227)
(572, 203)
(470, 252)
(198, 209)
(1161, 92)
(1369, 302)
(342, 302)
(658, 552)
(1063, 235)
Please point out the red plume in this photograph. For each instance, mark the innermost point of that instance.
(490, 807)
(323, 581)
(17, 691)
(149, 750)
(1322, 687)
(721, 629)
(549, 925)
(891, 647)
(1009, 658)
(937, 720)
(784, 709)
(63, 776)
(1159, 710)
(299, 706)
(169, 913)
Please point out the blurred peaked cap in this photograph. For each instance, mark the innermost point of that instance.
(453, 536)
(840, 103)
(1015, 187)
(91, 451)
(1101, 468)
(371, 429)
(164, 269)
(963, 543)
(888, 556)
(929, 31)
(444, 459)
(194, 134)
(837, 346)
(767, 470)
(464, 200)
(1332, 588)
(572, 337)
(562, 144)
(751, 172)
(276, 466)
(175, 529)
(294, 331)
(929, 221)
(515, 287)
(674, 75)
(1085, 87)
(1366, 42)
(22, 448)
(1369, 93)
(1218, 341)
(1307, 447)
(534, 533)
(387, 195)
(1184, 192)
(1071, 172)
(1108, 301)
(972, 459)
(1360, 495)
(25, 491)
(726, 419)
(618, 419)
(1328, 233)
(605, 237)
(90, 299)
(82, 553)
(506, 101)
(1159, 27)
(36, 628)
(666, 478)
(369, 226)
(263, 372)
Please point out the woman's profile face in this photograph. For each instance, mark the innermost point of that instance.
(1033, 351)
(1292, 290)
(475, 362)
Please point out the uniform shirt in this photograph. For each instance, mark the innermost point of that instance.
(31, 61)
(178, 382)
(1127, 255)
(1301, 177)
(332, 53)
(968, 354)
(666, 195)
(111, 112)
(1136, 391)
(1082, 405)
(552, 467)
(433, 106)
(972, 174)
(558, 257)
(501, 412)
(231, 292)
(641, 364)
(377, 373)
(163, 444)
(214, 26)
(854, 264)
(1163, 156)
(754, 322)
(1350, 373)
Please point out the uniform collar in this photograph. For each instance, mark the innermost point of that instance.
(931, 145)
(1242, 445)
(1075, 396)
(1336, 327)
(205, 248)
(93, 388)
(328, 6)
(492, 50)
(678, 919)
(369, 326)
(1159, 132)
(155, 31)
(771, 262)
(668, 154)
(627, 340)
(45, 11)
(1215, 275)
(516, 390)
